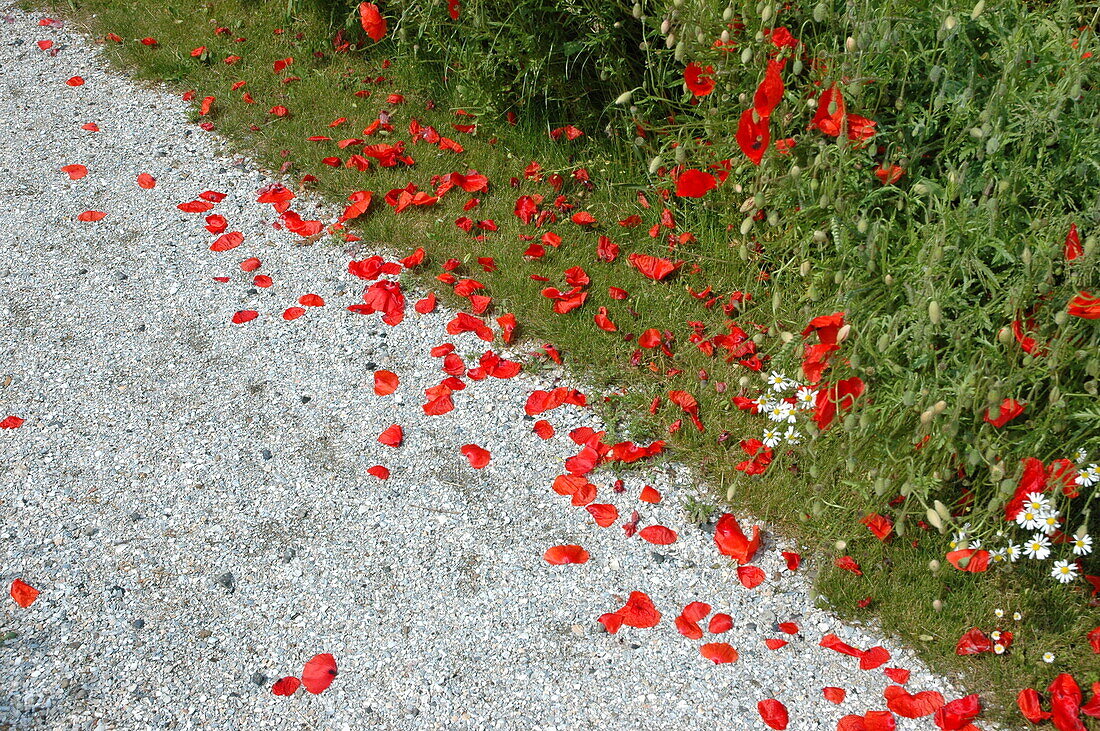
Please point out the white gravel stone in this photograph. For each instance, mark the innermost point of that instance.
(191, 496)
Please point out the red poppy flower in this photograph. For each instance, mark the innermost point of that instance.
(830, 112)
(753, 135)
(694, 183)
(1085, 305)
(970, 560)
(973, 642)
(1009, 410)
(770, 91)
(838, 397)
(1072, 248)
(699, 79)
(318, 673)
(373, 22)
(889, 175)
(879, 525)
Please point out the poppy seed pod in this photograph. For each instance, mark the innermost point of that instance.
(766, 15)
(978, 8)
(625, 98)
(937, 605)
(934, 519)
(666, 26)
(820, 12)
(746, 55)
(934, 314)
(804, 268)
(841, 546)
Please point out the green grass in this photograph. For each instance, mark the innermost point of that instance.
(818, 500)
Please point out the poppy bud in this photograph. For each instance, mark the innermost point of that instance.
(842, 333)
(811, 293)
(978, 8)
(899, 527)
(727, 13)
(731, 493)
(670, 40)
(1055, 394)
(926, 416)
(773, 218)
(786, 336)
(766, 15)
(746, 226)
(796, 67)
(655, 164)
(777, 299)
(934, 519)
(1004, 336)
(850, 44)
(1061, 317)
(804, 268)
(977, 133)
(862, 225)
(937, 605)
(818, 509)
(841, 546)
(820, 236)
(666, 26)
(950, 23)
(746, 55)
(725, 36)
(636, 11)
(820, 12)
(883, 342)
(939, 407)
(942, 510)
(934, 566)
(743, 252)
(838, 277)
(934, 313)
(744, 381)
(625, 98)
(888, 280)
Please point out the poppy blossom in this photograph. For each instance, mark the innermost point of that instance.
(1085, 305)
(23, 593)
(1072, 248)
(773, 713)
(718, 652)
(477, 456)
(760, 457)
(889, 175)
(318, 673)
(373, 22)
(695, 184)
(1093, 636)
(392, 436)
(699, 79)
(286, 686)
(879, 525)
(840, 396)
(770, 91)
(560, 555)
(753, 135)
(1009, 409)
(973, 561)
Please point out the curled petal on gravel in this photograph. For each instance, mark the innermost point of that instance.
(834, 694)
(639, 611)
(385, 382)
(228, 241)
(293, 313)
(720, 623)
(773, 713)
(649, 495)
(75, 81)
(250, 264)
(789, 628)
(75, 171)
(244, 316)
(688, 628)
(732, 542)
(426, 305)
(560, 555)
(319, 672)
(957, 715)
(286, 686)
(382, 473)
(311, 300)
(603, 514)
(658, 535)
(23, 593)
(873, 658)
(544, 429)
(774, 644)
(477, 456)
(832, 642)
(91, 216)
(392, 436)
(718, 652)
(907, 705)
(750, 576)
(898, 675)
(11, 422)
(794, 560)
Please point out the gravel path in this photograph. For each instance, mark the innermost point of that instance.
(192, 498)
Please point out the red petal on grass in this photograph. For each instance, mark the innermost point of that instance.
(720, 623)
(658, 535)
(957, 715)
(1084, 305)
(382, 473)
(23, 593)
(243, 316)
(650, 495)
(901, 702)
(695, 184)
(849, 564)
(970, 560)
(228, 241)
(392, 436)
(560, 555)
(293, 313)
(477, 456)
(1093, 636)
(653, 267)
(91, 216)
(879, 525)
(874, 657)
(770, 91)
(750, 576)
(974, 642)
(1031, 707)
(773, 713)
(605, 515)
(385, 382)
(75, 171)
(319, 673)
(718, 652)
(834, 695)
(147, 181)
(544, 429)
(11, 422)
(286, 686)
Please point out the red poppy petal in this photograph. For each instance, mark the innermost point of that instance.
(718, 652)
(286, 686)
(23, 593)
(773, 713)
(319, 673)
(560, 555)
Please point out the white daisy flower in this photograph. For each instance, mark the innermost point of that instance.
(792, 436)
(1088, 476)
(1082, 545)
(1064, 571)
(1081, 456)
(1037, 502)
(781, 412)
(1048, 657)
(1012, 553)
(974, 544)
(998, 556)
(999, 649)
(1028, 519)
(1049, 523)
(763, 403)
(778, 382)
(999, 612)
(772, 437)
(806, 397)
(1038, 547)
(1017, 616)
(995, 635)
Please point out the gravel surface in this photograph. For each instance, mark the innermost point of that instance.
(192, 498)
